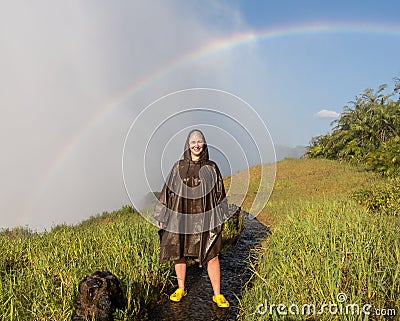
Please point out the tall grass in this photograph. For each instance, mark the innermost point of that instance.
(323, 245)
(39, 273)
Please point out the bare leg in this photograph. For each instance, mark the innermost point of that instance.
(180, 270)
(214, 273)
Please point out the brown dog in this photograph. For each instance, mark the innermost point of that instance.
(99, 295)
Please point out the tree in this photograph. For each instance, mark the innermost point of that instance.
(367, 131)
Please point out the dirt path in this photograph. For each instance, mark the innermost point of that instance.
(198, 305)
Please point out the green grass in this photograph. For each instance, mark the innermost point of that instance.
(40, 272)
(324, 243)
(304, 180)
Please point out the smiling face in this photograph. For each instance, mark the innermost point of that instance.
(196, 144)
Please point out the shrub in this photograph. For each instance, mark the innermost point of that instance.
(381, 198)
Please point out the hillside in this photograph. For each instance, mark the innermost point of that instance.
(323, 244)
(305, 179)
(325, 247)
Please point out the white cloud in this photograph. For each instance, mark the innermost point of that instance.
(324, 113)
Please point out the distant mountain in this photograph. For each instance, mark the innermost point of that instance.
(289, 152)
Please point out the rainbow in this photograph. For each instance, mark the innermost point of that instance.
(213, 47)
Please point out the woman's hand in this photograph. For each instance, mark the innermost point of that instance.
(159, 224)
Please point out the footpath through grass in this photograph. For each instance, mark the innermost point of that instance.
(328, 258)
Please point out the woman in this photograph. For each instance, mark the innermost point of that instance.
(191, 209)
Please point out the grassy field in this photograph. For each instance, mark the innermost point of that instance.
(40, 273)
(326, 251)
(324, 245)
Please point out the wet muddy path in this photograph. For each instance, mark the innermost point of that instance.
(198, 305)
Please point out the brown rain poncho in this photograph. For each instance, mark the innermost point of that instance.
(192, 207)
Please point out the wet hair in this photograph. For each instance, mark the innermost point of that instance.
(204, 153)
(195, 132)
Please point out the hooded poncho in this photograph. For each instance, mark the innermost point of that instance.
(192, 207)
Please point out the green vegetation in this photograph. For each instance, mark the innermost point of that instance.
(40, 272)
(381, 198)
(324, 243)
(367, 132)
(335, 236)
(335, 225)
(302, 180)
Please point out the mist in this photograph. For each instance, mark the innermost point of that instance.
(76, 75)
(68, 96)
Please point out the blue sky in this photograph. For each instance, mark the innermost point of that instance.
(326, 70)
(76, 74)
(261, 14)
